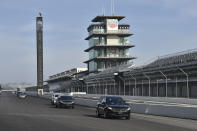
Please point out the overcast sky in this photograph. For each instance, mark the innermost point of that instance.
(160, 27)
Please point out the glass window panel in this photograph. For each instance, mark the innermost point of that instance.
(92, 66)
(126, 52)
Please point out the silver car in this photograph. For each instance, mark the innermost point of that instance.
(54, 98)
(22, 95)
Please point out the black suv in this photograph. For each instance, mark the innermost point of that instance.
(64, 101)
(112, 106)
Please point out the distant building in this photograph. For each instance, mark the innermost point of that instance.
(34, 88)
(70, 72)
(65, 81)
(108, 43)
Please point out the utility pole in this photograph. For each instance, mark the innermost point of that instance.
(39, 35)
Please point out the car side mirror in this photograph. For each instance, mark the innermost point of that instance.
(126, 103)
(104, 103)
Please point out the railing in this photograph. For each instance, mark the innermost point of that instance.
(177, 58)
(113, 56)
(97, 32)
(122, 31)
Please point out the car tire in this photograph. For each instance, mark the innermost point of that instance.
(97, 113)
(56, 106)
(128, 117)
(73, 107)
(105, 115)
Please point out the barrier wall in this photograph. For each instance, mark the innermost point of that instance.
(152, 109)
(179, 110)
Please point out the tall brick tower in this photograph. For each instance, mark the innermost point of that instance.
(39, 35)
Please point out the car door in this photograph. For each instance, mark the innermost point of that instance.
(102, 105)
(99, 103)
(58, 101)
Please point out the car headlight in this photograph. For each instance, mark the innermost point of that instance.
(128, 109)
(109, 108)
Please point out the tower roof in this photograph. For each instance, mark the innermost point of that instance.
(107, 34)
(101, 18)
(109, 46)
(100, 58)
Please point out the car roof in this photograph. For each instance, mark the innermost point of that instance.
(56, 93)
(63, 95)
(110, 97)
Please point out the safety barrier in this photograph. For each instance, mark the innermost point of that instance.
(147, 106)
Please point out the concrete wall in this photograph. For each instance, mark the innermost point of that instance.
(145, 105)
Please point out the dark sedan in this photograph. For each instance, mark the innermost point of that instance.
(65, 101)
(112, 106)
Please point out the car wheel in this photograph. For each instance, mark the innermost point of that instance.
(105, 115)
(56, 105)
(73, 107)
(97, 113)
(128, 117)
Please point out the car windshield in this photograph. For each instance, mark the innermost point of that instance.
(66, 98)
(115, 101)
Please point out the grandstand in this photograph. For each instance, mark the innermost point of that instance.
(173, 75)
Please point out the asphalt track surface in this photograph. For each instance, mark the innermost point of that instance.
(36, 114)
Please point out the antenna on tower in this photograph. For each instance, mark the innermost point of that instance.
(112, 7)
(103, 11)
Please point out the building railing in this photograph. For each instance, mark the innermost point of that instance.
(112, 56)
(122, 31)
(175, 59)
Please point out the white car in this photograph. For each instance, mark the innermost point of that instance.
(54, 98)
(22, 95)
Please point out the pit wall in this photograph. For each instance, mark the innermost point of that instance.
(170, 107)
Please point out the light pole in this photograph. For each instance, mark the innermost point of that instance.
(157, 89)
(123, 84)
(148, 80)
(176, 87)
(166, 82)
(187, 80)
(114, 86)
(134, 92)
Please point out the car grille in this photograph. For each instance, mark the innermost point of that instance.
(119, 109)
